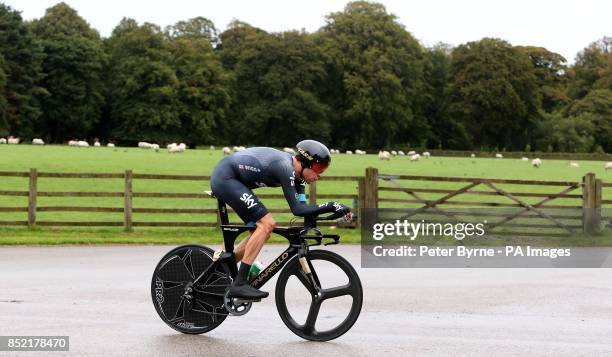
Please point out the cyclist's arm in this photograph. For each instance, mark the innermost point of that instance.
(292, 189)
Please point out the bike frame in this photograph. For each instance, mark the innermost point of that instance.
(298, 245)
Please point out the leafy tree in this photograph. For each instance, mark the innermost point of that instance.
(566, 134)
(141, 85)
(445, 132)
(73, 68)
(203, 86)
(494, 93)
(376, 78)
(551, 73)
(276, 79)
(598, 104)
(3, 103)
(195, 28)
(231, 47)
(593, 69)
(22, 57)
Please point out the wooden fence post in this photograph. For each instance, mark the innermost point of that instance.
(312, 193)
(371, 188)
(597, 210)
(361, 187)
(33, 188)
(370, 198)
(127, 200)
(591, 203)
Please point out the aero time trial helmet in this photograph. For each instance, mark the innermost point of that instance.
(314, 155)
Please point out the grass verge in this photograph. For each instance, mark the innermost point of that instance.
(48, 236)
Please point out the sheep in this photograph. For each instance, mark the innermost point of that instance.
(170, 145)
(212, 147)
(411, 152)
(289, 150)
(573, 164)
(13, 141)
(415, 157)
(155, 147)
(144, 145)
(473, 155)
(226, 151)
(2, 141)
(349, 152)
(393, 152)
(360, 152)
(536, 163)
(426, 154)
(524, 158)
(608, 166)
(401, 153)
(73, 143)
(97, 144)
(37, 141)
(384, 155)
(174, 149)
(110, 145)
(499, 156)
(82, 143)
(238, 148)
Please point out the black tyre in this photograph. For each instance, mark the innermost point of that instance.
(202, 310)
(346, 313)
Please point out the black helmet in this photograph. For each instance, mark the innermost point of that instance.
(313, 154)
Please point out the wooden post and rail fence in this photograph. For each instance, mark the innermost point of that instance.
(369, 192)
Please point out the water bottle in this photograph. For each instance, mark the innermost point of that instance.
(256, 267)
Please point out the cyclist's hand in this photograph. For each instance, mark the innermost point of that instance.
(348, 217)
(342, 210)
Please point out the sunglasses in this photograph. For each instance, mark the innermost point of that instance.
(318, 167)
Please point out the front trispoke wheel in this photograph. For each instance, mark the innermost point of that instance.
(319, 293)
(313, 313)
(337, 292)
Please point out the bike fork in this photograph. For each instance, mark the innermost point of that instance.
(306, 268)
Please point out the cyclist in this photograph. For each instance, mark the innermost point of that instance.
(237, 175)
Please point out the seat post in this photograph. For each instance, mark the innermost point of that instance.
(223, 219)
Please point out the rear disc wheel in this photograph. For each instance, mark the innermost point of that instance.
(189, 308)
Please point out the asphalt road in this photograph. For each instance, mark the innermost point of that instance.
(99, 296)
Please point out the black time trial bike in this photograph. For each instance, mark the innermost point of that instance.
(190, 283)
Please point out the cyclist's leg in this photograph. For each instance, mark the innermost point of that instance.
(239, 250)
(240, 287)
(246, 204)
(258, 238)
(242, 200)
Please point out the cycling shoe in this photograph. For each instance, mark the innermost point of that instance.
(246, 291)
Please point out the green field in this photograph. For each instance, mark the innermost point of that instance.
(202, 162)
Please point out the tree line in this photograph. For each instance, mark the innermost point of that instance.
(360, 81)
